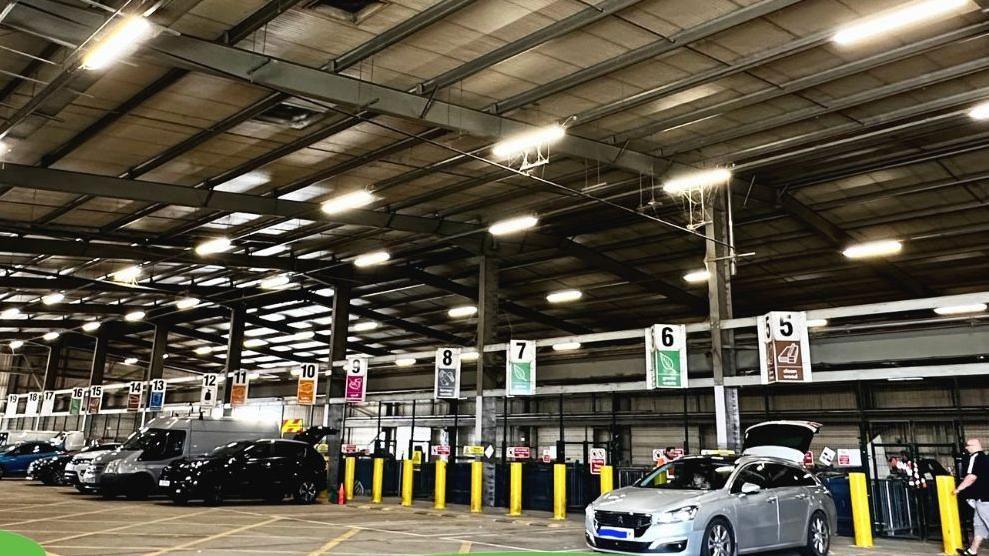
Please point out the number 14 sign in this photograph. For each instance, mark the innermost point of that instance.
(666, 356)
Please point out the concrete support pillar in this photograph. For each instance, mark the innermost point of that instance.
(96, 371)
(53, 366)
(721, 267)
(486, 418)
(235, 348)
(156, 366)
(333, 415)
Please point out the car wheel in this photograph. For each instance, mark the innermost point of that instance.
(719, 539)
(214, 495)
(818, 536)
(108, 494)
(2, 472)
(305, 493)
(82, 489)
(180, 500)
(140, 490)
(47, 480)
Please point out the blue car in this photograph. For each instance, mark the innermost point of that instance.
(15, 458)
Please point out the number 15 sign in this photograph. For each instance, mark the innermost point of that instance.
(666, 356)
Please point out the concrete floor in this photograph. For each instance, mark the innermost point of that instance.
(67, 523)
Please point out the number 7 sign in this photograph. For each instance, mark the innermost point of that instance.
(520, 368)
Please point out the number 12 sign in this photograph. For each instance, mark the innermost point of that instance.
(666, 356)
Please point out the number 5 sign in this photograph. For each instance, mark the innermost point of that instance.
(666, 356)
(784, 348)
(521, 368)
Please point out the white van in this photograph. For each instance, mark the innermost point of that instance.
(134, 469)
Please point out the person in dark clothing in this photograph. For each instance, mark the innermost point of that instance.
(974, 488)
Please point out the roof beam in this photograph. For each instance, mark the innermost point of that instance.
(72, 283)
(409, 326)
(218, 339)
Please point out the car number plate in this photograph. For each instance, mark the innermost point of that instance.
(615, 532)
(164, 483)
(30, 478)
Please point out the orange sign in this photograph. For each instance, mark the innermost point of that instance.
(238, 394)
(306, 391)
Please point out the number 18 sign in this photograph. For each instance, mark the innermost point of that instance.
(666, 356)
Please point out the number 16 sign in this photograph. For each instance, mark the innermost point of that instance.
(666, 356)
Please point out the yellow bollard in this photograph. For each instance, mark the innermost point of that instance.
(376, 480)
(515, 490)
(607, 479)
(439, 495)
(349, 469)
(861, 518)
(476, 486)
(951, 525)
(560, 491)
(407, 474)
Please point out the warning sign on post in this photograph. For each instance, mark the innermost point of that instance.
(447, 385)
(520, 370)
(306, 390)
(440, 450)
(519, 452)
(292, 426)
(597, 458)
(355, 385)
(666, 356)
(784, 347)
(95, 399)
(238, 388)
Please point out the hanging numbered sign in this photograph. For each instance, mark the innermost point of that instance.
(520, 368)
(666, 356)
(156, 399)
(207, 397)
(784, 348)
(95, 399)
(238, 388)
(306, 390)
(76, 403)
(355, 387)
(11, 410)
(47, 402)
(33, 399)
(134, 391)
(447, 384)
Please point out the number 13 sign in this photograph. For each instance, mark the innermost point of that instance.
(784, 348)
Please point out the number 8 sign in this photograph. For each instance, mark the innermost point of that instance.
(447, 384)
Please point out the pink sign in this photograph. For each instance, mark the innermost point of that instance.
(355, 388)
(440, 450)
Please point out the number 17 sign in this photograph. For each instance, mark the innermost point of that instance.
(666, 356)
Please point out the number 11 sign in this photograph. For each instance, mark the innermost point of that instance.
(666, 356)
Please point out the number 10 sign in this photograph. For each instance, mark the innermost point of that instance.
(666, 356)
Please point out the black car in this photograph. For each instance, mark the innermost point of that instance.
(51, 471)
(264, 469)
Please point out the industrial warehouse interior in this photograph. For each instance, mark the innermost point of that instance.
(310, 277)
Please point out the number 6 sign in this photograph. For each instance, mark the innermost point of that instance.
(666, 356)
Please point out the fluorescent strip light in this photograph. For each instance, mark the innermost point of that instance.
(905, 378)
(566, 346)
(134, 316)
(980, 111)
(50, 336)
(469, 356)
(512, 225)
(130, 361)
(295, 372)
(817, 323)
(129, 274)
(696, 180)
(118, 42)
(187, 303)
(460, 312)
(216, 245)
(16, 344)
(873, 249)
(371, 259)
(304, 335)
(53, 298)
(11, 313)
(564, 296)
(697, 276)
(893, 20)
(253, 376)
(254, 342)
(961, 309)
(275, 282)
(405, 362)
(347, 201)
(203, 350)
(529, 141)
(364, 326)
(91, 326)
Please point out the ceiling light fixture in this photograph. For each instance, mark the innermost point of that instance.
(16, 344)
(961, 309)
(371, 259)
(529, 141)
(347, 201)
(118, 42)
(130, 361)
(254, 342)
(817, 323)
(405, 362)
(51, 336)
(980, 111)
(275, 282)
(91, 326)
(564, 296)
(304, 335)
(878, 248)
(469, 356)
(513, 225)
(364, 326)
(11, 313)
(697, 276)
(53, 298)
(697, 180)
(462, 311)
(215, 245)
(129, 274)
(134, 316)
(896, 19)
(295, 372)
(187, 303)
(566, 346)
(202, 350)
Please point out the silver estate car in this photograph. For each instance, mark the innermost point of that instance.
(722, 505)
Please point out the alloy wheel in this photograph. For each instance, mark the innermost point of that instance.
(307, 492)
(820, 535)
(719, 542)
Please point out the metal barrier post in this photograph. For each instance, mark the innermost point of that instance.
(377, 479)
(560, 491)
(607, 479)
(861, 518)
(349, 470)
(439, 495)
(476, 486)
(515, 490)
(407, 474)
(951, 526)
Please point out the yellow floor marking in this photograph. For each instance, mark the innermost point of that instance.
(465, 547)
(53, 517)
(330, 545)
(213, 537)
(122, 527)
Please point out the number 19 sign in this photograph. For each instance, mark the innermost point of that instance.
(666, 356)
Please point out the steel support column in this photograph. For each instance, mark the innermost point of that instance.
(333, 415)
(486, 412)
(156, 365)
(235, 348)
(53, 365)
(721, 266)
